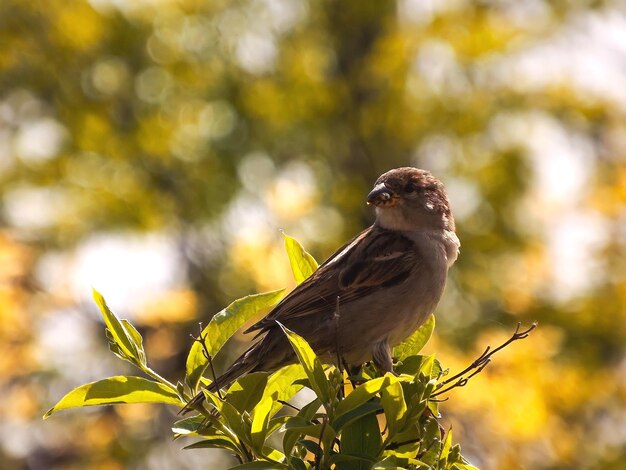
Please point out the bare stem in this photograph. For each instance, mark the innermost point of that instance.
(318, 460)
(205, 351)
(461, 379)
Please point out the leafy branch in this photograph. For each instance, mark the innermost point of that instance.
(388, 421)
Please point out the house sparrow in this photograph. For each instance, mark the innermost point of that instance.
(374, 291)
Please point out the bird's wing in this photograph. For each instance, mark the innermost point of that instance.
(375, 259)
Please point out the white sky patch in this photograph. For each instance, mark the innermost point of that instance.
(293, 193)
(464, 195)
(588, 53)
(7, 159)
(573, 241)
(32, 207)
(563, 160)
(39, 140)
(127, 268)
(282, 15)
(256, 52)
(437, 65)
(256, 171)
(63, 337)
(248, 219)
(563, 165)
(421, 12)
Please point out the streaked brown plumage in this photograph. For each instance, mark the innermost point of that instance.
(374, 291)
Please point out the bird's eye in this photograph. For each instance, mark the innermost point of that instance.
(410, 188)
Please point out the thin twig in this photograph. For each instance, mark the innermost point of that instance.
(205, 351)
(286, 403)
(460, 379)
(318, 460)
(395, 445)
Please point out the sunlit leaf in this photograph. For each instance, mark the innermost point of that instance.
(260, 421)
(464, 466)
(405, 443)
(120, 336)
(246, 391)
(428, 367)
(221, 327)
(311, 364)
(302, 263)
(234, 420)
(282, 385)
(189, 425)
(392, 400)
(445, 449)
(362, 394)
(137, 340)
(414, 343)
(115, 390)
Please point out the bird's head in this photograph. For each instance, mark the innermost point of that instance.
(410, 199)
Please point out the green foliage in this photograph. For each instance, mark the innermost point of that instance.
(221, 327)
(376, 422)
(302, 263)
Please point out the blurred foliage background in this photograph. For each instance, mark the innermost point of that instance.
(153, 149)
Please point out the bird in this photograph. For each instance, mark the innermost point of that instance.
(373, 292)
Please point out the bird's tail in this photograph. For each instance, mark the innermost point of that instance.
(243, 365)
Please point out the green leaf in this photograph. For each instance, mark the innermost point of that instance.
(282, 385)
(445, 450)
(295, 424)
(312, 366)
(221, 327)
(272, 454)
(276, 423)
(260, 422)
(361, 439)
(356, 413)
(294, 428)
(114, 390)
(428, 367)
(188, 426)
(464, 466)
(128, 349)
(410, 443)
(362, 394)
(398, 463)
(392, 399)
(234, 420)
(299, 426)
(298, 464)
(312, 447)
(214, 442)
(247, 391)
(349, 459)
(414, 343)
(431, 442)
(260, 465)
(302, 263)
(137, 340)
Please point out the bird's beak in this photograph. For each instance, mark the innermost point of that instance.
(379, 195)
